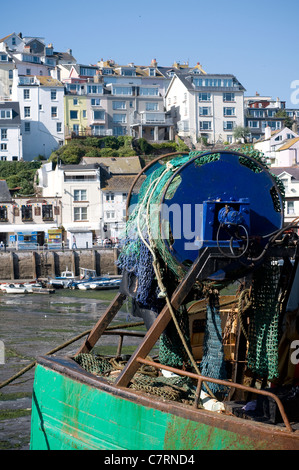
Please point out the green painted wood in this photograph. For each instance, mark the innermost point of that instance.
(67, 414)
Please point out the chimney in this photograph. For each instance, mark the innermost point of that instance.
(267, 132)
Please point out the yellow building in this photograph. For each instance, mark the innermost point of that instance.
(75, 113)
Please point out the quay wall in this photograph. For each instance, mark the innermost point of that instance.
(46, 264)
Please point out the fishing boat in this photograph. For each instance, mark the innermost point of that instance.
(66, 278)
(213, 372)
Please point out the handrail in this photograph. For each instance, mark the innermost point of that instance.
(201, 379)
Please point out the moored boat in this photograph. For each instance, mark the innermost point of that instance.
(15, 289)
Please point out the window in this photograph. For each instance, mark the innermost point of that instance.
(125, 195)
(205, 111)
(10, 74)
(204, 97)
(290, 207)
(27, 127)
(253, 124)
(228, 97)
(53, 95)
(120, 90)
(95, 102)
(26, 93)
(80, 195)
(149, 91)
(28, 71)
(75, 101)
(58, 127)
(99, 115)
(110, 215)
(80, 213)
(285, 183)
(74, 114)
(151, 106)
(2, 158)
(205, 125)
(27, 111)
(26, 212)
(228, 125)
(47, 212)
(95, 89)
(3, 214)
(5, 114)
(110, 197)
(3, 146)
(54, 112)
(118, 105)
(120, 118)
(3, 134)
(119, 130)
(84, 114)
(87, 72)
(229, 111)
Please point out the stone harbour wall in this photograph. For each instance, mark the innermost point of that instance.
(46, 264)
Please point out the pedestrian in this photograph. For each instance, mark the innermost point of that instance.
(74, 243)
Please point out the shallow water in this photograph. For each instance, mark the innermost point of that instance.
(31, 325)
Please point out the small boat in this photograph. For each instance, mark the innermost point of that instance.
(66, 278)
(31, 285)
(105, 284)
(42, 290)
(15, 289)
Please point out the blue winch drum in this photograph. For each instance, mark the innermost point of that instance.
(197, 193)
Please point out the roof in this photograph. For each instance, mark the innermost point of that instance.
(117, 165)
(93, 166)
(291, 170)
(4, 191)
(121, 183)
(288, 144)
(49, 81)
(16, 119)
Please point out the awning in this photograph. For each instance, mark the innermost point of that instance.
(5, 228)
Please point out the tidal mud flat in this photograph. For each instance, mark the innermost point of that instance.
(31, 326)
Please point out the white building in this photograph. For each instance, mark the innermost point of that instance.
(10, 131)
(290, 178)
(79, 189)
(279, 147)
(204, 105)
(93, 196)
(42, 114)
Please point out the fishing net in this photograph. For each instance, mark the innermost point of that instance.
(171, 350)
(264, 322)
(94, 364)
(213, 364)
(145, 242)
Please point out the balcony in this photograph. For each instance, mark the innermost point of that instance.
(151, 119)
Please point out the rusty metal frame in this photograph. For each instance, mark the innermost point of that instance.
(201, 379)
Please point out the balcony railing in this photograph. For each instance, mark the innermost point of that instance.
(154, 119)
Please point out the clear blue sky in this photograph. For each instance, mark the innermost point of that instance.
(257, 41)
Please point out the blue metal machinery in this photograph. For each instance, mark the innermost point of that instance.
(235, 206)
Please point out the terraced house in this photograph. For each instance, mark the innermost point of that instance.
(206, 106)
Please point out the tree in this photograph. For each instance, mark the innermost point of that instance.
(287, 121)
(241, 132)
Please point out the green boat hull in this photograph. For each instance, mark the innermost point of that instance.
(72, 409)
